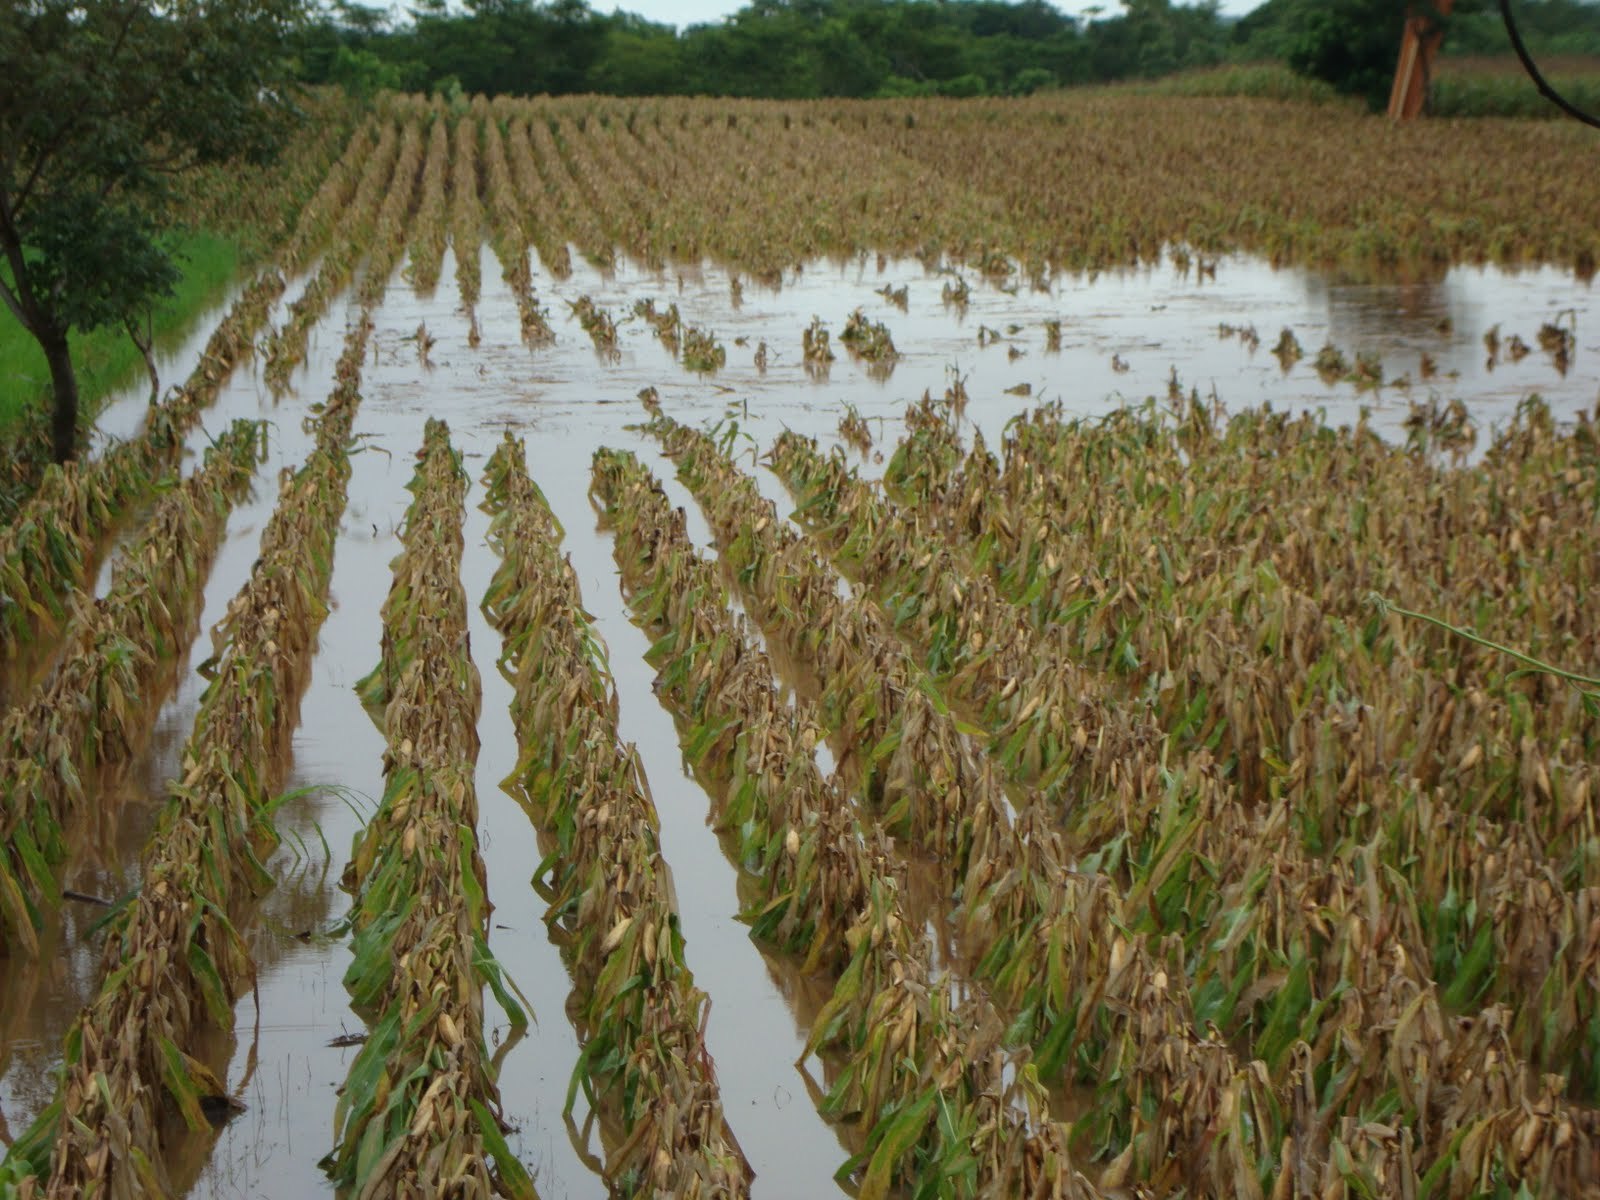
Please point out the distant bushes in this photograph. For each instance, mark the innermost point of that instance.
(1482, 87)
(1500, 88)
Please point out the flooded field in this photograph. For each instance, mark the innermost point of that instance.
(1153, 778)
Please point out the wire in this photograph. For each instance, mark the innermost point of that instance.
(1548, 92)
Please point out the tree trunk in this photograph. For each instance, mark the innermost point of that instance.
(64, 383)
(145, 344)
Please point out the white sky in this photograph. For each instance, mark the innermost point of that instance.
(696, 12)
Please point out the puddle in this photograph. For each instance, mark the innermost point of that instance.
(568, 401)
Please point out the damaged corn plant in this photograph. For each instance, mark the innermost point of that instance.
(91, 714)
(418, 1114)
(922, 1077)
(644, 1065)
(1147, 859)
(175, 961)
(1219, 829)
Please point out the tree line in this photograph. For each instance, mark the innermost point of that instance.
(795, 49)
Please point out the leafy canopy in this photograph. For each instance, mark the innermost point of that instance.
(105, 103)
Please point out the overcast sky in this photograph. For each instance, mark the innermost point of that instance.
(695, 12)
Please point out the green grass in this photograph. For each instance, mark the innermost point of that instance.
(1261, 81)
(106, 360)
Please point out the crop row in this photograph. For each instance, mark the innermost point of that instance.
(1491, 927)
(921, 1075)
(757, 184)
(382, 173)
(644, 1063)
(1182, 864)
(90, 714)
(47, 550)
(418, 1112)
(429, 236)
(174, 962)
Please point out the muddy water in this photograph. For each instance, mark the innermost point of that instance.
(568, 400)
(37, 1007)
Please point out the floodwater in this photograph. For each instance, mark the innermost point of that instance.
(1122, 337)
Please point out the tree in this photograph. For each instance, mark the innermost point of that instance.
(1352, 44)
(105, 103)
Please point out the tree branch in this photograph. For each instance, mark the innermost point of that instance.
(62, 134)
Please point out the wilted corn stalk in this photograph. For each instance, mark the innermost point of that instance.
(349, 245)
(814, 345)
(428, 237)
(174, 962)
(93, 711)
(869, 339)
(853, 428)
(419, 1111)
(644, 1063)
(925, 1073)
(510, 226)
(701, 350)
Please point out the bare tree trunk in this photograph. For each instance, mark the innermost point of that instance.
(64, 384)
(145, 343)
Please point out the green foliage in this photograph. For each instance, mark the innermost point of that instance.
(1350, 44)
(772, 48)
(1261, 81)
(1510, 93)
(120, 97)
(106, 359)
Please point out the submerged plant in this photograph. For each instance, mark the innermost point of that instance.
(814, 344)
(1287, 350)
(869, 339)
(701, 351)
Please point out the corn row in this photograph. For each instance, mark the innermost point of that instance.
(644, 1061)
(326, 208)
(46, 550)
(937, 1095)
(540, 222)
(285, 348)
(45, 553)
(622, 214)
(386, 240)
(1011, 920)
(572, 211)
(1483, 922)
(466, 213)
(175, 963)
(417, 1116)
(428, 238)
(509, 239)
(89, 715)
(612, 143)
(1236, 575)
(661, 172)
(935, 772)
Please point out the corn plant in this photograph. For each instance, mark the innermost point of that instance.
(175, 959)
(419, 1108)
